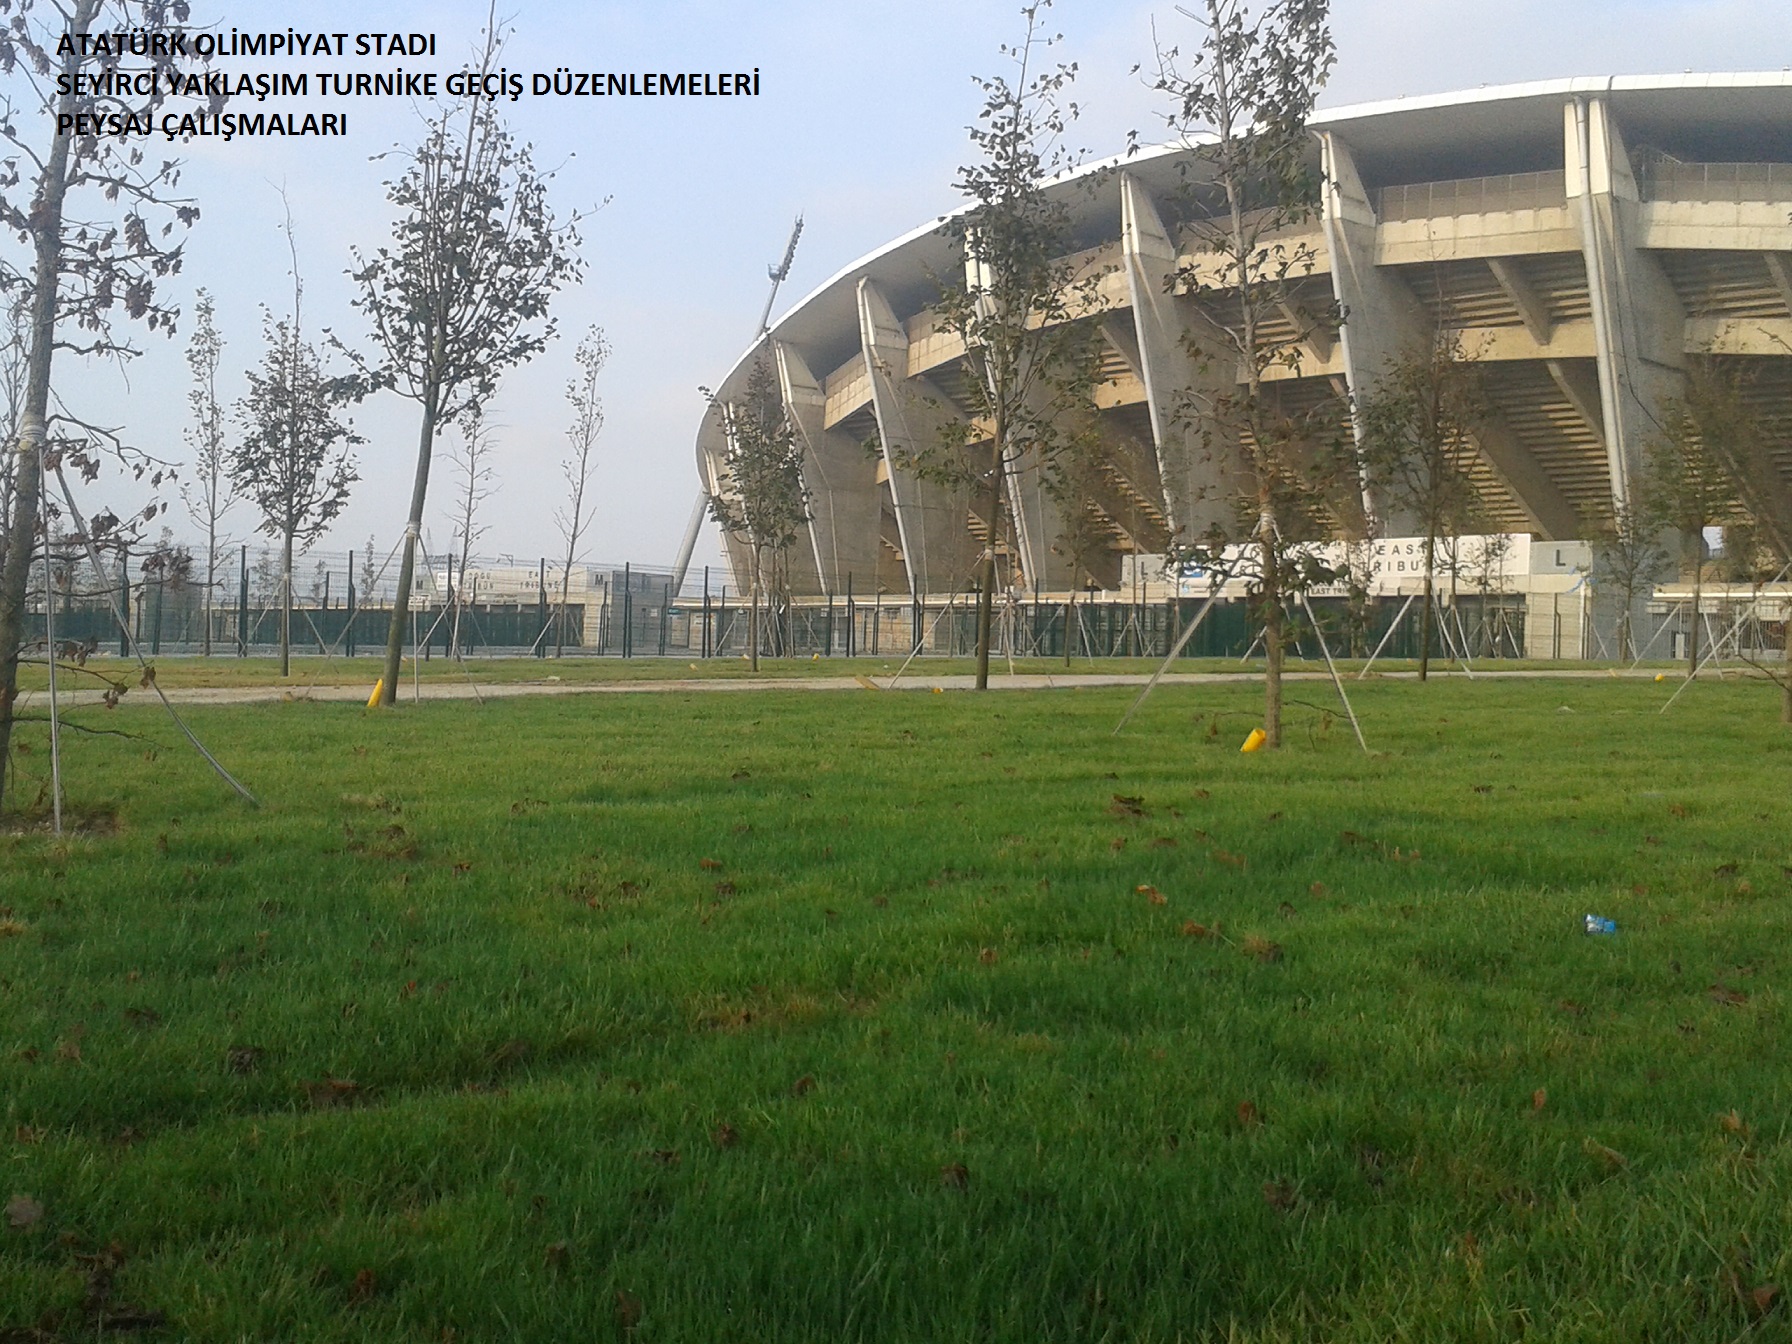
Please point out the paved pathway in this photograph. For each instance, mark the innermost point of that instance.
(913, 681)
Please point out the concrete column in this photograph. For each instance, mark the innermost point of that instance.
(937, 545)
(1383, 320)
(1638, 323)
(1200, 475)
(845, 496)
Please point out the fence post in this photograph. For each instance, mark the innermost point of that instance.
(851, 617)
(349, 629)
(705, 635)
(242, 605)
(665, 615)
(124, 599)
(628, 607)
(541, 623)
(721, 634)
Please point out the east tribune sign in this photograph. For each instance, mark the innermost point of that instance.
(1395, 566)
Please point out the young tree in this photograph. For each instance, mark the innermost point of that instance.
(1240, 106)
(461, 294)
(293, 460)
(580, 463)
(1073, 476)
(1684, 486)
(86, 206)
(1626, 556)
(473, 462)
(1031, 363)
(1415, 428)
(763, 500)
(209, 492)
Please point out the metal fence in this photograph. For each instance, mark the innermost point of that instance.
(1472, 196)
(494, 606)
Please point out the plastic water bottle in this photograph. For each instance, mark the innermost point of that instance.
(1595, 924)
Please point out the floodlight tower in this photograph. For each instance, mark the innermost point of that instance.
(777, 273)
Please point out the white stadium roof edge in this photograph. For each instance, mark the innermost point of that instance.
(1480, 208)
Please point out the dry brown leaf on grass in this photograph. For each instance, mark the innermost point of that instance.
(710, 865)
(23, 1213)
(1262, 949)
(803, 1086)
(724, 1135)
(1127, 806)
(1539, 1099)
(1248, 1115)
(1722, 993)
(628, 1310)
(955, 1176)
(989, 956)
(1191, 929)
(1279, 1195)
(1610, 1157)
(1152, 894)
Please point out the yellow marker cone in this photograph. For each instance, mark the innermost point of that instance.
(1661, 676)
(374, 699)
(1257, 738)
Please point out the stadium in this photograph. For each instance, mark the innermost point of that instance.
(1584, 236)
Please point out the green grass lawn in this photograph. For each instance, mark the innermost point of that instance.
(895, 1017)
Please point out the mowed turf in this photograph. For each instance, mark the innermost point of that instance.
(907, 1016)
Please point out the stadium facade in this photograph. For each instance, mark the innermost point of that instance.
(1586, 237)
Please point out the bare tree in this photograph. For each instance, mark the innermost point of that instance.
(293, 460)
(1032, 364)
(1416, 427)
(762, 500)
(580, 462)
(209, 491)
(473, 463)
(85, 267)
(1240, 105)
(461, 294)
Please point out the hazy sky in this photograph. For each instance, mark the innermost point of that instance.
(859, 126)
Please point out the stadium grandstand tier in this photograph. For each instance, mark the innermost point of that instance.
(1586, 237)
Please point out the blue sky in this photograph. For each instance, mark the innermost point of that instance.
(859, 126)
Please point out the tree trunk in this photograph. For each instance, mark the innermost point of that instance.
(211, 576)
(565, 596)
(986, 593)
(1698, 581)
(753, 617)
(286, 604)
(46, 229)
(1786, 672)
(1069, 613)
(1425, 608)
(401, 604)
(1272, 637)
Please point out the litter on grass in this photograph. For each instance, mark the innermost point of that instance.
(1597, 924)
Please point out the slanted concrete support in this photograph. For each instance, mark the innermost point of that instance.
(1524, 297)
(1779, 266)
(1200, 476)
(1638, 323)
(712, 449)
(845, 496)
(938, 549)
(1545, 507)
